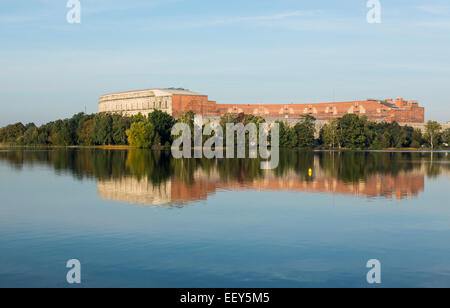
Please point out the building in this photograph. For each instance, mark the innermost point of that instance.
(173, 101)
(176, 101)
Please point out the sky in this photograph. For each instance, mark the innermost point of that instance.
(246, 51)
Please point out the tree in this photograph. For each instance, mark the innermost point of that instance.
(386, 139)
(399, 136)
(43, 134)
(433, 130)
(446, 136)
(244, 119)
(12, 132)
(30, 137)
(86, 135)
(232, 118)
(352, 130)
(2, 134)
(103, 129)
(119, 128)
(249, 118)
(163, 123)
(30, 125)
(417, 138)
(60, 133)
(141, 134)
(288, 137)
(329, 134)
(74, 124)
(305, 132)
(188, 118)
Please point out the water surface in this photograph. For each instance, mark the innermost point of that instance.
(141, 218)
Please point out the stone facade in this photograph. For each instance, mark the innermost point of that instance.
(176, 101)
(422, 126)
(132, 103)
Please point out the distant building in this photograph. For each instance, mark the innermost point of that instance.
(176, 101)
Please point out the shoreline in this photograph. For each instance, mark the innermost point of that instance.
(127, 147)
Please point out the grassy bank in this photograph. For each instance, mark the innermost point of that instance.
(101, 147)
(128, 147)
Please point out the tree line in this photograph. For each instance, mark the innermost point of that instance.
(94, 130)
(354, 132)
(159, 166)
(154, 131)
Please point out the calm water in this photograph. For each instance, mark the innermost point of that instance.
(140, 218)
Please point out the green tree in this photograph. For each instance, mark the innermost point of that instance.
(417, 139)
(305, 132)
(163, 123)
(43, 135)
(230, 118)
(30, 137)
(446, 136)
(73, 126)
(245, 119)
(398, 134)
(329, 134)
(433, 130)
(352, 130)
(188, 118)
(119, 128)
(2, 134)
(249, 118)
(86, 135)
(288, 137)
(60, 133)
(11, 133)
(140, 134)
(103, 129)
(386, 139)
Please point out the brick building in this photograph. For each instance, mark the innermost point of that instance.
(176, 101)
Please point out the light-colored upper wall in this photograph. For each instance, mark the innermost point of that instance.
(133, 103)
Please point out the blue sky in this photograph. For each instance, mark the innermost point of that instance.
(234, 51)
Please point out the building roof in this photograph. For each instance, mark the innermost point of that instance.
(161, 92)
(178, 91)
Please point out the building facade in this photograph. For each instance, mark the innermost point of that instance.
(177, 101)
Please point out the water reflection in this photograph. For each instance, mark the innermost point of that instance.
(155, 178)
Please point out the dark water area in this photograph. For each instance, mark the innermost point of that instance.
(137, 218)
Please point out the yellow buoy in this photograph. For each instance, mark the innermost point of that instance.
(310, 172)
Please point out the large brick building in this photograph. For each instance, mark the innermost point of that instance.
(176, 101)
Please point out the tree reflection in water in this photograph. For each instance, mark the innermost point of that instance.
(155, 178)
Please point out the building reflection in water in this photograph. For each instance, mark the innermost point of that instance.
(155, 178)
(176, 192)
(362, 175)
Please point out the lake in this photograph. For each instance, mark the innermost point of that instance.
(137, 218)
